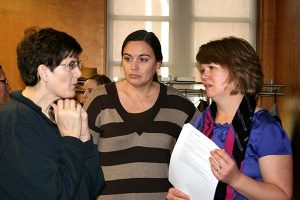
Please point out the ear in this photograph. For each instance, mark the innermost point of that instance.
(43, 72)
(158, 65)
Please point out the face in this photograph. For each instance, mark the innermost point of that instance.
(4, 88)
(215, 80)
(63, 79)
(139, 63)
(88, 86)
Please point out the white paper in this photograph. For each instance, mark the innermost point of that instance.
(189, 169)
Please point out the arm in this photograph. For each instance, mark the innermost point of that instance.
(276, 172)
(92, 170)
(39, 164)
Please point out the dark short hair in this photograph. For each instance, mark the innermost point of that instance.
(45, 46)
(100, 79)
(241, 60)
(148, 37)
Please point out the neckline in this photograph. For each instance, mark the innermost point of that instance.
(139, 129)
(17, 95)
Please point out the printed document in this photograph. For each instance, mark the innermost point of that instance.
(189, 169)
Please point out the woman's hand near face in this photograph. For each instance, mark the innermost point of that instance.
(68, 117)
(175, 194)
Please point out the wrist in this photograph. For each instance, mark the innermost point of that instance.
(85, 138)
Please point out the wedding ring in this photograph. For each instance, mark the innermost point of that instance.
(219, 170)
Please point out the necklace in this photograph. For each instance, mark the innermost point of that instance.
(50, 114)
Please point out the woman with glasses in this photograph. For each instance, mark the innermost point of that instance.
(46, 151)
(4, 87)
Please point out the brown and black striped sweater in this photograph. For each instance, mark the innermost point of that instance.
(135, 149)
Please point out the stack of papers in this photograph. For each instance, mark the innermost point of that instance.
(189, 169)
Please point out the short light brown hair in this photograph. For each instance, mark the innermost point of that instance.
(241, 60)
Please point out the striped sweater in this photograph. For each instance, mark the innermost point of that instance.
(135, 149)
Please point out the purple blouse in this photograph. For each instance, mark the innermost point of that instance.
(267, 137)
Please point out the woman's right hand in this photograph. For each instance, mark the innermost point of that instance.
(68, 117)
(175, 194)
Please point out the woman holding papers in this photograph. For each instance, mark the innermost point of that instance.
(255, 161)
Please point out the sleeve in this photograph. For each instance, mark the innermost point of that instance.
(273, 141)
(41, 165)
(93, 110)
(93, 172)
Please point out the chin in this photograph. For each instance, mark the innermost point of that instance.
(69, 95)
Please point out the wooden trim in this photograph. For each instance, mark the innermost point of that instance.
(266, 44)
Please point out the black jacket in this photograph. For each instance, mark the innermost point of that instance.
(37, 163)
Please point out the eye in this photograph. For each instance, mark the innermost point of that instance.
(127, 58)
(72, 65)
(201, 71)
(211, 67)
(144, 59)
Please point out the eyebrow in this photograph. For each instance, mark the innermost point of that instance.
(127, 54)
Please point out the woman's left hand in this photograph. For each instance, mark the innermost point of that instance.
(223, 166)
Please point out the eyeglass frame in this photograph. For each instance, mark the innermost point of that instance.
(73, 64)
(4, 81)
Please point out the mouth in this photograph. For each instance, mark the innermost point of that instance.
(207, 86)
(133, 76)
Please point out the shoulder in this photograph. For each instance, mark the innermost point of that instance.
(268, 135)
(18, 105)
(263, 118)
(98, 93)
(173, 91)
(174, 99)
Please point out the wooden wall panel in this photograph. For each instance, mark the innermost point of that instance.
(287, 58)
(265, 45)
(278, 39)
(84, 20)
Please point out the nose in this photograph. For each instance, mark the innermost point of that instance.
(77, 72)
(203, 76)
(134, 65)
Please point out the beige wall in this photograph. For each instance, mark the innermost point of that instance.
(84, 20)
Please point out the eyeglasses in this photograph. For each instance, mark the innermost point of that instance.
(73, 64)
(4, 81)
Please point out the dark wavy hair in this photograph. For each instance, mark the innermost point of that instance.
(241, 60)
(45, 46)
